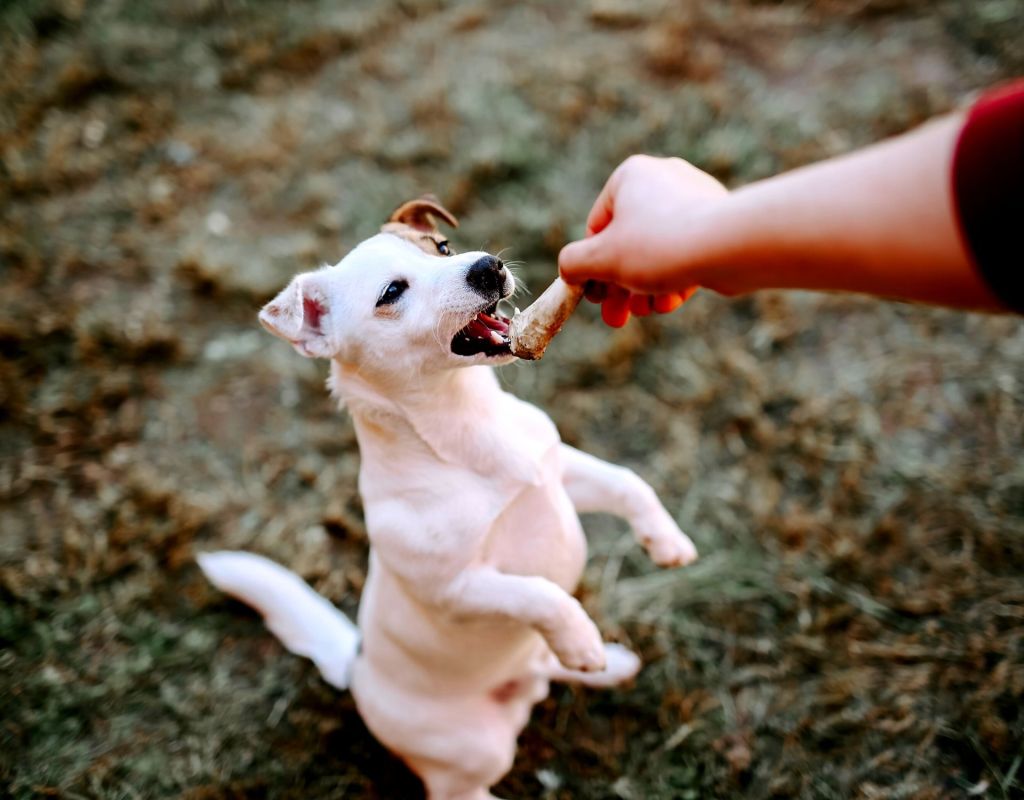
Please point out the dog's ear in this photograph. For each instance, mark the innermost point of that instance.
(423, 214)
(298, 315)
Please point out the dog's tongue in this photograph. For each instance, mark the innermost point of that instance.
(488, 328)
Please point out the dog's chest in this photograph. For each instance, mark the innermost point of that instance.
(539, 533)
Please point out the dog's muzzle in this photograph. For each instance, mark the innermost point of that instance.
(487, 332)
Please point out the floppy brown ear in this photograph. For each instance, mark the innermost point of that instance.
(423, 213)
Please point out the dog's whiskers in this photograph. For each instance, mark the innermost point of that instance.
(441, 320)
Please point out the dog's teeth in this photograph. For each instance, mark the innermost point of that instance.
(497, 338)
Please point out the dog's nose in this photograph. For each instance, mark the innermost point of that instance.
(486, 275)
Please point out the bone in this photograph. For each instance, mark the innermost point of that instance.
(532, 330)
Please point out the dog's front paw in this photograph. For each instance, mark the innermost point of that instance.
(664, 542)
(577, 642)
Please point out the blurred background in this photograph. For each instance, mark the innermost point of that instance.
(851, 469)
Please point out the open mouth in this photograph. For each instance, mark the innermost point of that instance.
(486, 333)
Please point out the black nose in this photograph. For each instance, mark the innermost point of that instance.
(487, 275)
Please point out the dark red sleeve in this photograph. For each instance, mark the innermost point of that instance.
(988, 190)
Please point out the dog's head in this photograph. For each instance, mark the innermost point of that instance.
(402, 302)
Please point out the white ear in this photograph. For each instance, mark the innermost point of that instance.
(299, 315)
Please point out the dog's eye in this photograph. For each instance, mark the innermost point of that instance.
(443, 248)
(392, 293)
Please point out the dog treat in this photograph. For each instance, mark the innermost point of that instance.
(533, 329)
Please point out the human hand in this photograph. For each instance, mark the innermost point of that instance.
(639, 234)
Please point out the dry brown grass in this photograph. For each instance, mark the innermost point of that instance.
(850, 469)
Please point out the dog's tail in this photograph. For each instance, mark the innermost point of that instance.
(306, 623)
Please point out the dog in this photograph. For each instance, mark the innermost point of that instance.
(471, 504)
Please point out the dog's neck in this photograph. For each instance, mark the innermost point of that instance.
(460, 415)
(444, 392)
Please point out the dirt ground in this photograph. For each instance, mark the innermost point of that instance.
(850, 469)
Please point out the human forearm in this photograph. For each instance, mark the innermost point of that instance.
(879, 221)
(930, 216)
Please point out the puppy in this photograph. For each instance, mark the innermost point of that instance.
(471, 504)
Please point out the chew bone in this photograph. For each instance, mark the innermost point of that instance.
(533, 329)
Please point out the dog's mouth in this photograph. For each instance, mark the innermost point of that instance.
(486, 333)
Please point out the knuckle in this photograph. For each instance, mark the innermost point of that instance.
(637, 161)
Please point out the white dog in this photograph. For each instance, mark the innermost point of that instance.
(471, 505)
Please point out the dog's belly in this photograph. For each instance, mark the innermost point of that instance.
(426, 651)
(421, 650)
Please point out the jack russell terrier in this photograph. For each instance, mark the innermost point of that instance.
(471, 504)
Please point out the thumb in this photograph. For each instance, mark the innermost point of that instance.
(588, 259)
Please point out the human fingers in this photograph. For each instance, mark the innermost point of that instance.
(595, 291)
(615, 308)
(603, 209)
(670, 301)
(667, 303)
(587, 259)
(640, 304)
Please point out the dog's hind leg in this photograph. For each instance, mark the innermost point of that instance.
(442, 782)
(459, 745)
(437, 790)
(306, 623)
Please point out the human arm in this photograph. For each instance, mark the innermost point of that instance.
(880, 221)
